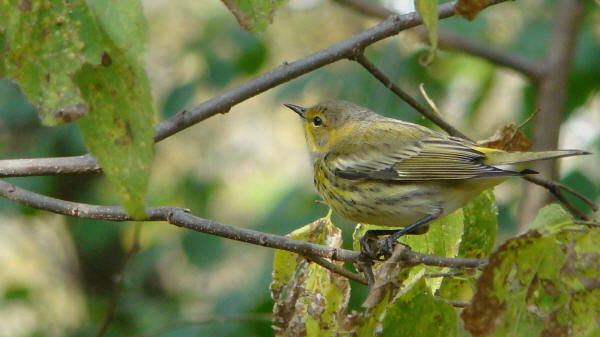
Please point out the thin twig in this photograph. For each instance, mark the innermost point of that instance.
(533, 70)
(413, 258)
(337, 269)
(551, 96)
(85, 164)
(118, 281)
(428, 100)
(438, 120)
(457, 304)
(222, 103)
(556, 189)
(181, 218)
(448, 274)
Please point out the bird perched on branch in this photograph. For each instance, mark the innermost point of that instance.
(383, 171)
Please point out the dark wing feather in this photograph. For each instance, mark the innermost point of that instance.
(427, 159)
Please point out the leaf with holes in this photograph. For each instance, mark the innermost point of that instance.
(309, 299)
(545, 282)
(46, 43)
(83, 60)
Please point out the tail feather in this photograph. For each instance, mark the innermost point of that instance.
(495, 158)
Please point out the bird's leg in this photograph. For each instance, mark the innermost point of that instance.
(374, 248)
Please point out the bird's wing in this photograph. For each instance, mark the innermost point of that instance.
(425, 159)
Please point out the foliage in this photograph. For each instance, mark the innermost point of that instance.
(309, 299)
(544, 282)
(84, 61)
(429, 12)
(75, 60)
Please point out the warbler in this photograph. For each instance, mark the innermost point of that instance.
(382, 171)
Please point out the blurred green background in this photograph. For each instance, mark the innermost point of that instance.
(250, 167)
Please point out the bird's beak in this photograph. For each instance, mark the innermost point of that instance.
(297, 109)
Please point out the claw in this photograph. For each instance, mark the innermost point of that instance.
(378, 249)
(375, 248)
(369, 246)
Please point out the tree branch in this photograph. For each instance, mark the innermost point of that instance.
(222, 103)
(551, 97)
(556, 189)
(449, 40)
(181, 218)
(413, 258)
(337, 269)
(432, 116)
(49, 166)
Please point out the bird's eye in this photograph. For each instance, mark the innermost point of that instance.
(317, 121)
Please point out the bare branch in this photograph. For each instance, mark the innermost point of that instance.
(449, 40)
(222, 103)
(531, 69)
(175, 216)
(413, 258)
(551, 98)
(448, 274)
(49, 166)
(337, 269)
(432, 116)
(181, 218)
(556, 189)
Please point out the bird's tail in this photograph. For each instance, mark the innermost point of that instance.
(520, 160)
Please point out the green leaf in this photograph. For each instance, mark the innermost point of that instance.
(118, 131)
(442, 239)
(254, 15)
(124, 24)
(44, 47)
(550, 219)
(309, 299)
(481, 222)
(543, 283)
(71, 62)
(418, 313)
(429, 12)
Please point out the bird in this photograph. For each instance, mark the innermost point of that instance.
(383, 171)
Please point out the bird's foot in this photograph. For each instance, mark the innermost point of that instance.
(375, 248)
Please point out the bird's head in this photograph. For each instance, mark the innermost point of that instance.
(330, 123)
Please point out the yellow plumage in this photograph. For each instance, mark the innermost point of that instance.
(382, 171)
